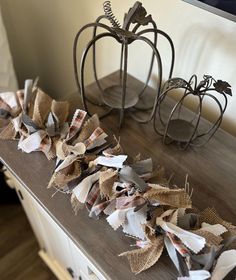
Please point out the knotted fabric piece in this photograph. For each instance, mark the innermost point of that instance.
(74, 157)
(144, 258)
(35, 118)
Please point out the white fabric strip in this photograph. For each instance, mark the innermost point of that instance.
(193, 241)
(115, 161)
(28, 92)
(32, 143)
(134, 221)
(117, 218)
(197, 275)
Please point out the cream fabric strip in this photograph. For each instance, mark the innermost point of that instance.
(78, 149)
(214, 229)
(225, 263)
(82, 189)
(68, 160)
(10, 98)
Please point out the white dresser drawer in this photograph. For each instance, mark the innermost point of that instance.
(57, 249)
(84, 266)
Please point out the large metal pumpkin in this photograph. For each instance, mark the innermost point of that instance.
(120, 96)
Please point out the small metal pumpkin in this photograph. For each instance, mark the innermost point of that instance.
(177, 126)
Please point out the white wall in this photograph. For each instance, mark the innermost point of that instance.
(7, 74)
(41, 36)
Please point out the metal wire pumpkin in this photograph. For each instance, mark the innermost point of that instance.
(175, 126)
(120, 96)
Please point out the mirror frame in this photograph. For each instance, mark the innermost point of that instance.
(212, 9)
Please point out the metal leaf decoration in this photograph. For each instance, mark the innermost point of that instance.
(223, 87)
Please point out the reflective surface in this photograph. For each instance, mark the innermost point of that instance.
(222, 8)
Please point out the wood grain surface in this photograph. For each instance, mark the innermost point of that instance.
(211, 170)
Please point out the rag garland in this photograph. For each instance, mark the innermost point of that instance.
(93, 168)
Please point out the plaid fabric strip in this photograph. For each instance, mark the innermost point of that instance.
(93, 194)
(23, 132)
(142, 244)
(94, 136)
(97, 209)
(76, 123)
(125, 202)
(179, 246)
(46, 144)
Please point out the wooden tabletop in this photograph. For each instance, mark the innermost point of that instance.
(211, 170)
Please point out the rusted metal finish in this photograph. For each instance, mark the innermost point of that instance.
(125, 34)
(188, 132)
